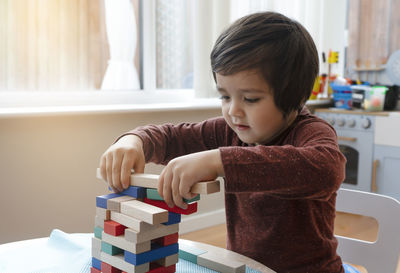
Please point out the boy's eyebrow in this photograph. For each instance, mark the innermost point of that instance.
(244, 90)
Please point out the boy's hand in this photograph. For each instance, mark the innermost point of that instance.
(116, 163)
(183, 172)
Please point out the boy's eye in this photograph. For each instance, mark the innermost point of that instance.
(224, 97)
(251, 100)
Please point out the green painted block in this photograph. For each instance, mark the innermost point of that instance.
(153, 195)
(97, 232)
(189, 253)
(110, 249)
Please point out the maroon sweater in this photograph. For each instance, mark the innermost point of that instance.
(279, 198)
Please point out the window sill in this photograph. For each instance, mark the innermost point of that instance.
(31, 103)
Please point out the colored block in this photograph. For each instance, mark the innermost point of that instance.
(155, 268)
(107, 268)
(147, 235)
(114, 228)
(131, 222)
(190, 253)
(173, 218)
(96, 263)
(97, 232)
(118, 262)
(101, 201)
(94, 270)
(134, 191)
(167, 240)
(110, 249)
(119, 241)
(220, 264)
(192, 208)
(154, 195)
(145, 212)
(157, 252)
(114, 204)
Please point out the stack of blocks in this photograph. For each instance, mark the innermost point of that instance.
(135, 230)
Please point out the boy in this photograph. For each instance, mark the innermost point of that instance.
(282, 165)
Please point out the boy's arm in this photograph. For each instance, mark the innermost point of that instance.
(312, 168)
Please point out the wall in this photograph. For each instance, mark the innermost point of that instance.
(48, 165)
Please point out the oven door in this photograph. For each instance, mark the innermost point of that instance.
(357, 147)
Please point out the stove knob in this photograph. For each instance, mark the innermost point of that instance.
(366, 123)
(340, 122)
(351, 123)
(330, 120)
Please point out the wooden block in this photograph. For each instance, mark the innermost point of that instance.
(192, 208)
(151, 181)
(131, 222)
(103, 213)
(135, 191)
(119, 241)
(114, 204)
(189, 253)
(101, 201)
(154, 195)
(114, 228)
(118, 262)
(168, 261)
(156, 268)
(156, 252)
(142, 211)
(173, 218)
(107, 268)
(142, 236)
(110, 249)
(220, 264)
(94, 270)
(96, 248)
(96, 263)
(167, 240)
(98, 222)
(97, 232)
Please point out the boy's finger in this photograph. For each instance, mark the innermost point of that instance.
(175, 193)
(167, 191)
(116, 172)
(126, 171)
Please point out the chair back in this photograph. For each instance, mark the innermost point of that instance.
(383, 254)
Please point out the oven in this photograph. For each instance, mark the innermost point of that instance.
(355, 132)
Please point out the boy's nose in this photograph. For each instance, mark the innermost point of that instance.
(235, 110)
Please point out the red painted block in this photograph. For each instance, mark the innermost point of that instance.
(167, 240)
(156, 268)
(192, 207)
(94, 270)
(114, 228)
(106, 268)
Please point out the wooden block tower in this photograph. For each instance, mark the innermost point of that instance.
(135, 231)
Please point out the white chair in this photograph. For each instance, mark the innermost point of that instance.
(382, 255)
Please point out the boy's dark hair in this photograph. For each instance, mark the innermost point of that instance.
(280, 48)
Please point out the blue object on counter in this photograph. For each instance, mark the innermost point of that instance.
(342, 96)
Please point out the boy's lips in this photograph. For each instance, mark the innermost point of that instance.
(241, 127)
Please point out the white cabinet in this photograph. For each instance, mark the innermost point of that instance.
(387, 170)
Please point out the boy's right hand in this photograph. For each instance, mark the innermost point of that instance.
(118, 160)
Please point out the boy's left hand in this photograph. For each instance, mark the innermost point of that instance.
(183, 172)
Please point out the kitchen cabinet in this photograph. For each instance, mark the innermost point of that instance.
(387, 170)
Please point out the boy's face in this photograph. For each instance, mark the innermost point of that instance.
(248, 107)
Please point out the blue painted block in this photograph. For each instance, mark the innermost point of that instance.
(101, 201)
(96, 263)
(156, 252)
(133, 191)
(173, 218)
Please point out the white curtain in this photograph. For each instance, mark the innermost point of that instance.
(121, 73)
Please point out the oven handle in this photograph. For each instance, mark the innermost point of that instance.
(375, 166)
(352, 139)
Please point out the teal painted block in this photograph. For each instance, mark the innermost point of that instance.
(153, 195)
(190, 253)
(97, 232)
(110, 249)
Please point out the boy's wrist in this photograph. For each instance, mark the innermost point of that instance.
(217, 162)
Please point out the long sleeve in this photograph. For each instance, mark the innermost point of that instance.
(310, 165)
